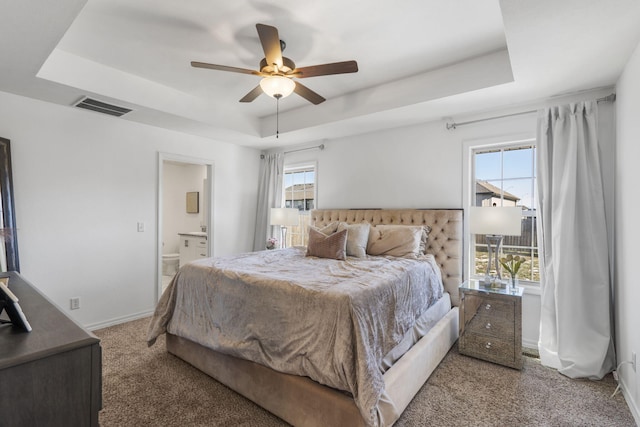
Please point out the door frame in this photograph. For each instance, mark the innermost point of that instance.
(208, 190)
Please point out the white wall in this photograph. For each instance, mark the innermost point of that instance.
(627, 206)
(83, 180)
(412, 167)
(178, 179)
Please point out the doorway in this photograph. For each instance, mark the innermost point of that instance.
(184, 211)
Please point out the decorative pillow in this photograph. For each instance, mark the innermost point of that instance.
(395, 240)
(328, 229)
(357, 238)
(423, 240)
(323, 246)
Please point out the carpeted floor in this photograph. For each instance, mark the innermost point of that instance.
(148, 387)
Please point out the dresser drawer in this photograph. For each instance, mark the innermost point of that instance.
(488, 348)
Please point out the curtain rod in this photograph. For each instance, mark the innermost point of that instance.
(319, 147)
(608, 98)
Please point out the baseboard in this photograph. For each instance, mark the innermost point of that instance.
(530, 352)
(633, 406)
(118, 320)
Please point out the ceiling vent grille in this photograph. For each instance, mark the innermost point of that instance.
(101, 107)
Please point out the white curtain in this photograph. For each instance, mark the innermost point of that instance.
(269, 196)
(575, 321)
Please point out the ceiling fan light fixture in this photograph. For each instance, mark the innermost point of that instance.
(277, 86)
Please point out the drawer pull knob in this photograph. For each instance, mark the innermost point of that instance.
(488, 345)
(487, 307)
(488, 326)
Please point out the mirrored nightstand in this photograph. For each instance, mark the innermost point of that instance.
(491, 323)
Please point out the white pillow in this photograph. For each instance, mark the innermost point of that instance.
(357, 238)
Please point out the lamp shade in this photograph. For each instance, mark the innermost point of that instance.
(494, 220)
(285, 216)
(277, 85)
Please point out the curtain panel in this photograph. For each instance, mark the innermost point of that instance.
(269, 196)
(575, 321)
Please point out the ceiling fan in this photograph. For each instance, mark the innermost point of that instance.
(278, 71)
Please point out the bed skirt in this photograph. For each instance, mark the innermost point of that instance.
(306, 403)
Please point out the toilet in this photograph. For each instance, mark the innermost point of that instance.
(170, 264)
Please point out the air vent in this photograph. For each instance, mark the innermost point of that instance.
(101, 107)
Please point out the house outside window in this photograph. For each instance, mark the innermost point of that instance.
(299, 192)
(505, 175)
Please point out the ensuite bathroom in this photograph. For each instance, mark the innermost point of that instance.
(184, 216)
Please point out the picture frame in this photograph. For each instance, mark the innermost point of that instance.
(193, 202)
(9, 302)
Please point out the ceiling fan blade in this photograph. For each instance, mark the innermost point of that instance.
(326, 69)
(308, 94)
(252, 95)
(224, 68)
(270, 44)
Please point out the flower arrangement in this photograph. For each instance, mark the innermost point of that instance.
(272, 242)
(512, 264)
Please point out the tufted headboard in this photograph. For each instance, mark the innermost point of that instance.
(445, 238)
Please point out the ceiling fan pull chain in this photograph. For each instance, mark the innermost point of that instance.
(278, 115)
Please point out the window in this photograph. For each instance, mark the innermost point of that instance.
(299, 192)
(505, 175)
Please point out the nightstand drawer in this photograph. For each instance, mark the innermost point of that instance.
(492, 326)
(489, 348)
(495, 308)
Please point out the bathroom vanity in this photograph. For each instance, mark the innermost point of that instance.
(193, 246)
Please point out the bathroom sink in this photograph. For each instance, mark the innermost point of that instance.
(195, 233)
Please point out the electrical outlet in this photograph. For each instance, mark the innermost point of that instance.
(633, 360)
(75, 303)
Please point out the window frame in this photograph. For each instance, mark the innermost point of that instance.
(470, 147)
(299, 167)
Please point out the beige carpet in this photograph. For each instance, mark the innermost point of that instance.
(148, 387)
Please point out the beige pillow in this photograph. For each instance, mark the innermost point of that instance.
(323, 246)
(328, 229)
(395, 240)
(423, 240)
(357, 238)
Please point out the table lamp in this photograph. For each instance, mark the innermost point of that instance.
(284, 217)
(495, 222)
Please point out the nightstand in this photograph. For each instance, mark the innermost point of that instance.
(491, 323)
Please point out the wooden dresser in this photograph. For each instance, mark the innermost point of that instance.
(51, 376)
(491, 323)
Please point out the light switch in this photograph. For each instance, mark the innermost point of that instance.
(140, 227)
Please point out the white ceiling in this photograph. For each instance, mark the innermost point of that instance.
(419, 60)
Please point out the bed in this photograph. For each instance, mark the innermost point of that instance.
(322, 383)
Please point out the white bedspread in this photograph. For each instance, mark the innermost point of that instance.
(332, 321)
